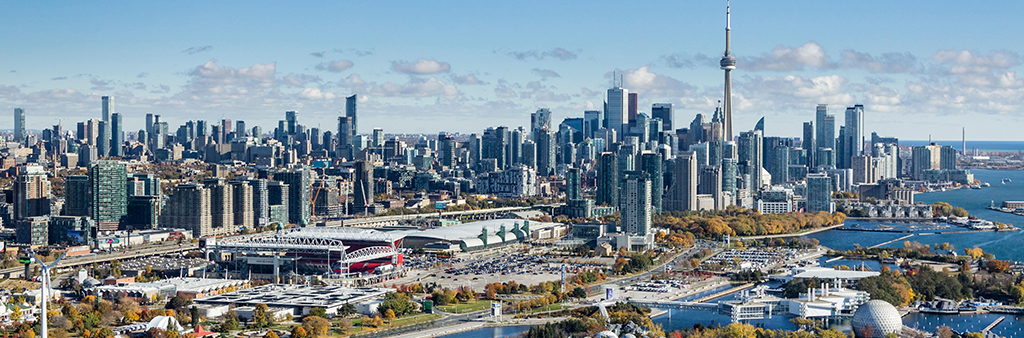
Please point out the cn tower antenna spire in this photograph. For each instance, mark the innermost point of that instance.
(728, 63)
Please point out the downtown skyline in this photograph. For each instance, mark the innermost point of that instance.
(916, 75)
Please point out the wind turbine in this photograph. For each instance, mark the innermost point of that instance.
(45, 291)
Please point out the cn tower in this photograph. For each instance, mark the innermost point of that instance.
(728, 63)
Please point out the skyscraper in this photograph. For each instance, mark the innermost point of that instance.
(116, 136)
(684, 182)
(222, 205)
(31, 193)
(189, 208)
(299, 182)
(608, 180)
(663, 111)
(363, 190)
(636, 203)
(711, 184)
(751, 153)
(108, 108)
(572, 184)
(819, 193)
(825, 135)
(19, 125)
(808, 142)
(617, 112)
(350, 111)
(546, 151)
(103, 140)
(632, 106)
(541, 119)
(291, 120)
(854, 132)
(728, 64)
(107, 180)
(651, 166)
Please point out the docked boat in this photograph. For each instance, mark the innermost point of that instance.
(975, 187)
(985, 185)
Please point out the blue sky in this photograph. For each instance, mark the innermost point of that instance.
(919, 67)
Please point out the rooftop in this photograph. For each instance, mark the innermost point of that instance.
(292, 296)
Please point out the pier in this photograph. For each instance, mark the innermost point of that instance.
(993, 325)
(895, 240)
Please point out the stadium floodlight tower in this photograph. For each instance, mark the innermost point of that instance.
(44, 292)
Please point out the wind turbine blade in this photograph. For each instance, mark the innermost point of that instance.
(57, 260)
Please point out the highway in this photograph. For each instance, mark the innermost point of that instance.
(139, 251)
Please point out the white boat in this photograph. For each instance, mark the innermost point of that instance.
(985, 185)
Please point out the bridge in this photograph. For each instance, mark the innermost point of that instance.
(672, 304)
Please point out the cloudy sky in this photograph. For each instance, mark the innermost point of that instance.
(920, 67)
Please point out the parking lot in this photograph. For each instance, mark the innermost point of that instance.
(478, 269)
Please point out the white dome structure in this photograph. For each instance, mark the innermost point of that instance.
(875, 319)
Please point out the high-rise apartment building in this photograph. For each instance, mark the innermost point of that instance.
(819, 193)
(651, 165)
(854, 135)
(636, 203)
(541, 119)
(807, 142)
(825, 135)
(684, 183)
(546, 151)
(573, 189)
(109, 205)
(363, 189)
(298, 180)
(31, 193)
(116, 136)
(607, 180)
(189, 208)
(19, 125)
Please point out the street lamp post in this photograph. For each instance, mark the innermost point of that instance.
(44, 292)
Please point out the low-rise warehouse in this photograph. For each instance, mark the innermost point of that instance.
(298, 298)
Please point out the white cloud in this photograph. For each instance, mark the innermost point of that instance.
(420, 67)
(200, 49)
(785, 59)
(468, 79)
(545, 73)
(556, 53)
(315, 94)
(648, 83)
(335, 66)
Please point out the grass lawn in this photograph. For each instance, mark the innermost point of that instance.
(410, 320)
(549, 307)
(472, 305)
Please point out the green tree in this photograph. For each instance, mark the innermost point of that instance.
(318, 312)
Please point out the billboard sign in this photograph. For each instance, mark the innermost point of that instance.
(438, 205)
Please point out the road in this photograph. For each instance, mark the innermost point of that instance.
(74, 262)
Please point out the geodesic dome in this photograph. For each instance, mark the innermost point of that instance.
(875, 319)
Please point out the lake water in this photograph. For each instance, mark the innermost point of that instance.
(1004, 245)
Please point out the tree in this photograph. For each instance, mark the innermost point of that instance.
(229, 322)
(389, 315)
(155, 333)
(318, 312)
(178, 303)
(194, 315)
(261, 315)
(316, 326)
(105, 333)
(997, 266)
(270, 334)
(298, 332)
(347, 310)
(345, 324)
(579, 293)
